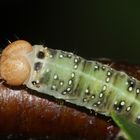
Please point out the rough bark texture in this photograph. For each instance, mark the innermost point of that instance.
(25, 114)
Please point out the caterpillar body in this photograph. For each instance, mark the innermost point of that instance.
(67, 76)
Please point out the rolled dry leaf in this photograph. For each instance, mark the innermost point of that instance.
(25, 112)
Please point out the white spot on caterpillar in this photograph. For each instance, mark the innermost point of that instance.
(64, 92)
(128, 108)
(117, 108)
(138, 119)
(108, 73)
(96, 67)
(115, 103)
(53, 87)
(68, 89)
(95, 105)
(99, 102)
(72, 75)
(92, 97)
(103, 67)
(137, 90)
(75, 66)
(85, 100)
(70, 82)
(61, 83)
(50, 56)
(101, 95)
(87, 91)
(37, 81)
(75, 60)
(130, 89)
(104, 87)
(122, 103)
(70, 55)
(107, 79)
(61, 56)
(55, 77)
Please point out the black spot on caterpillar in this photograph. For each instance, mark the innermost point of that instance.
(85, 83)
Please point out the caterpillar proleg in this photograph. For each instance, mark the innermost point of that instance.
(67, 76)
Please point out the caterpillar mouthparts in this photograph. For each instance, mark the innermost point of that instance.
(14, 66)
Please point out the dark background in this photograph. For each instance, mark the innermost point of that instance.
(90, 28)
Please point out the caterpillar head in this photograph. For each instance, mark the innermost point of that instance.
(14, 65)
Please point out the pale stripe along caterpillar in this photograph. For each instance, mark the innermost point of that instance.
(72, 78)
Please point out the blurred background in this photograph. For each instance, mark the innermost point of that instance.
(90, 28)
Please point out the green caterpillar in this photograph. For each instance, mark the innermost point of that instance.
(85, 83)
